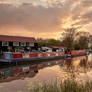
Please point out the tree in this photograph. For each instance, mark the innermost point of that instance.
(53, 42)
(48, 42)
(68, 37)
(90, 41)
(83, 42)
(74, 39)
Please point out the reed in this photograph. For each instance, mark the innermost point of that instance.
(66, 86)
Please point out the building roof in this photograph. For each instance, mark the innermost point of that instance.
(17, 39)
(57, 47)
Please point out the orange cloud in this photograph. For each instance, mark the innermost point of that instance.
(32, 19)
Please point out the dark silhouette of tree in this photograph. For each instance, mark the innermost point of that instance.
(83, 42)
(68, 37)
(90, 41)
(48, 42)
(74, 39)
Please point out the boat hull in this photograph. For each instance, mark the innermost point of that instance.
(41, 56)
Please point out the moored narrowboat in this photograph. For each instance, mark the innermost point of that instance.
(16, 49)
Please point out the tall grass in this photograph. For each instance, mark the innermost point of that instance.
(70, 84)
(66, 86)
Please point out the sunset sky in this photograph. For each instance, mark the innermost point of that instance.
(44, 18)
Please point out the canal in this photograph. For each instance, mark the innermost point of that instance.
(22, 78)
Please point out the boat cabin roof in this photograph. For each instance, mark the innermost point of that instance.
(17, 39)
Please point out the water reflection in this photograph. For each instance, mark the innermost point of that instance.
(18, 72)
(31, 70)
(21, 78)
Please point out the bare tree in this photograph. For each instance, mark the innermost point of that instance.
(68, 37)
(72, 38)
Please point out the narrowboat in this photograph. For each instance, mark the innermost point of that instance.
(18, 49)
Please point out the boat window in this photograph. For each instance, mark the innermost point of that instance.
(31, 44)
(5, 44)
(27, 43)
(15, 43)
(23, 44)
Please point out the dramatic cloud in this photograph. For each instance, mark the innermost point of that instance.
(41, 18)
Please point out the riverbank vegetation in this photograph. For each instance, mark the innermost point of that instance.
(70, 84)
(66, 86)
(71, 38)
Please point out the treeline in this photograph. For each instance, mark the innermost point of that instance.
(48, 42)
(71, 38)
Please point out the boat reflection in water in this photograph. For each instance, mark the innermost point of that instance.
(18, 72)
(29, 71)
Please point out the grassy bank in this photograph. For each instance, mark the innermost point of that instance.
(66, 86)
(69, 85)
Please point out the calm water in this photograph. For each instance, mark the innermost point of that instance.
(22, 78)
